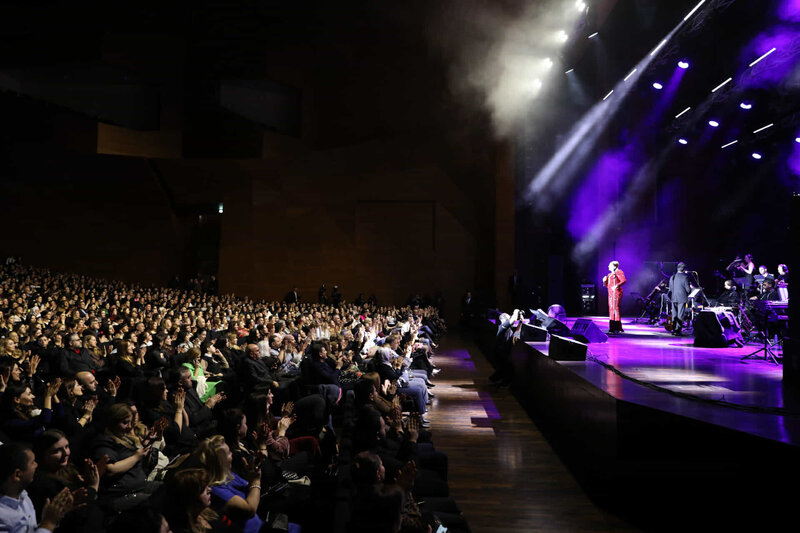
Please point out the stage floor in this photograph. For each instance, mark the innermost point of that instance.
(648, 366)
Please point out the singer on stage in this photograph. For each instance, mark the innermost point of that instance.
(614, 282)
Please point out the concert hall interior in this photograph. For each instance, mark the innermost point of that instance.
(572, 200)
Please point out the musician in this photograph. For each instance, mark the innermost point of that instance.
(769, 293)
(679, 288)
(749, 269)
(614, 281)
(730, 297)
(783, 273)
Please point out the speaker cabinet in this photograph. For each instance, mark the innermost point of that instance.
(586, 331)
(564, 349)
(717, 329)
(532, 333)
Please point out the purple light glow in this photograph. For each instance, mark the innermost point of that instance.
(776, 67)
(683, 64)
(713, 123)
(599, 190)
(657, 86)
(789, 11)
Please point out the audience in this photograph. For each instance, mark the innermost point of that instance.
(156, 408)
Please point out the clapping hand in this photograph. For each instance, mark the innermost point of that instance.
(287, 409)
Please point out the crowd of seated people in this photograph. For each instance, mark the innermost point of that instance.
(126, 408)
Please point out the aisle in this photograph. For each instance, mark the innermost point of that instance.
(503, 473)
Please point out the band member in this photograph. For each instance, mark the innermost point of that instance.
(679, 289)
(749, 269)
(730, 297)
(769, 291)
(783, 273)
(614, 281)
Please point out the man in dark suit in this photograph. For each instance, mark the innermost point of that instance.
(679, 289)
(292, 297)
(467, 309)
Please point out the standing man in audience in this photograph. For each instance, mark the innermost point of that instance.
(292, 297)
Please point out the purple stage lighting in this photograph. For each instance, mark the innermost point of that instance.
(745, 105)
(756, 155)
(683, 64)
(683, 141)
(797, 139)
(713, 123)
(657, 86)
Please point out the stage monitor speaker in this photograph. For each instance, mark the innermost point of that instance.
(586, 331)
(555, 327)
(564, 349)
(532, 333)
(717, 329)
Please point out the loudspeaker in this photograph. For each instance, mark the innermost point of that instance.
(555, 327)
(532, 333)
(717, 329)
(585, 330)
(564, 349)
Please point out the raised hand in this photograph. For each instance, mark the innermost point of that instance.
(285, 422)
(91, 474)
(34, 363)
(52, 388)
(405, 479)
(54, 511)
(287, 409)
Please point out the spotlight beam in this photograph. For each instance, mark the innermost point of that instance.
(683, 112)
(730, 144)
(629, 75)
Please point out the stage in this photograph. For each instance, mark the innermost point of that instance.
(648, 416)
(648, 366)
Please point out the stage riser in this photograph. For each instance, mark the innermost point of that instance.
(639, 462)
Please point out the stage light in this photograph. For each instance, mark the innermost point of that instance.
(693, 10)
(631, 73)
(762, 57)
(537, 85)
(730, 144)
(609, 94)
(592, 36)
(765, 127)
(548, 63)
(756, 155)
(683, 141)
(713, 123)
(683, 64)
(797, 139)
(562, 36)
(220, 208)
(721, 85)
(570, 70)
(657, 86)
(745, 105)
(683, 112)
(580, 5)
